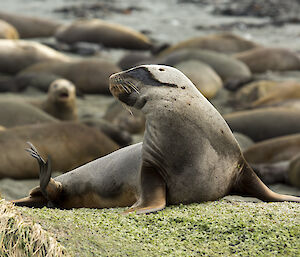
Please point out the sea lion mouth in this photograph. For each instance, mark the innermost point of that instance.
(63, 95)
(120, 85)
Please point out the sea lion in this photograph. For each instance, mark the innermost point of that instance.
(7, 31)
(102, 32)
(226, 43)
(70, 144)
(61, 100)
(30, 27)
(22, 81)
(89, 75)
(273, 150)
(250, 92)
(281, 93)
(226, 67)
(262, 59)
(16, 55)
(271, 159)
(202, 75)
(264, 123)
(16, 112)
(204, 163)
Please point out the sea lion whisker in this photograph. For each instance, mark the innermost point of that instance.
(126, 88)
(133, 86)
(32, 146)
(127, 108)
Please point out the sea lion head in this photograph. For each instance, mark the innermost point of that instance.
(136, 86)
(61, 91)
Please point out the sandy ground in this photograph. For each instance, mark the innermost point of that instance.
(165, 21)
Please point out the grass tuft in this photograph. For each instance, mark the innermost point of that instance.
(20, 238)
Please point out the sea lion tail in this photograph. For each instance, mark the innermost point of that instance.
(49, 188)
(249, 184)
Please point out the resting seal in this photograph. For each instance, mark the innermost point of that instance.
(70, 145)
(7, 31)
(61, 100)
(89, 75)
(204, 162)
(16, 55)
(102, 32)
(226, 43)
(262, 59)
(30, 27)
(264, 123)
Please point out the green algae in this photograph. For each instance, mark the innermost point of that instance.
(220, 228)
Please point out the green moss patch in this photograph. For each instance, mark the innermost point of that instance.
(220, 228)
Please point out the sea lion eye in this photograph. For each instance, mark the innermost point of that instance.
(55, 85)
(161, 69)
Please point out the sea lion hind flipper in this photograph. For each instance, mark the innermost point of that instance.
(31, 201)
(249, 184)
(49, 188)
(153, 192)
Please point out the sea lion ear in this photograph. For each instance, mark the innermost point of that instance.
(153, 192)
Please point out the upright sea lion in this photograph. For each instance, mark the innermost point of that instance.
(262, 59)
(16, 112)
(29, 27)
(70, 145)
(16, 55)
(89, 75)
(7, 31)
(61, 100)
(226, 43)
(264, 123)
(188, 154)
(102, 32)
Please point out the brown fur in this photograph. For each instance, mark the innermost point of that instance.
(89, 75)
(7, 31)
(265, 123)
(102, 32)
(274, 150)
(16, 113)
(30, 27)
(262, 59)
(70, 144)
(224, 43)
(62, 108)
(283, 92)
(16, 55)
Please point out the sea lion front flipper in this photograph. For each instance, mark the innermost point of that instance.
(50, 188)
(249, 184)
(153, 192)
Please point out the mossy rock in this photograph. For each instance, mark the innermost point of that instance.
(219, 228)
